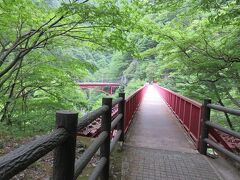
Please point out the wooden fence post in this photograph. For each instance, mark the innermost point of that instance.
(121, 108)
(204, 128)
(105, 147)
(64, 155)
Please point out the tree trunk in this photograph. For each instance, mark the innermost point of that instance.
(221, 103)
(6, 109)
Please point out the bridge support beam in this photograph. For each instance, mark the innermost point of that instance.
(111, 90)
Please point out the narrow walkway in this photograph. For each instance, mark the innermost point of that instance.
(157, 147)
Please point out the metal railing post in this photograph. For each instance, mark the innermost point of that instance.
(204, 128)
(121, 108)
(105, 147)
(64, 155)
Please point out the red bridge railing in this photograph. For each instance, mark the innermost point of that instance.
(188, 112)
(131, 104)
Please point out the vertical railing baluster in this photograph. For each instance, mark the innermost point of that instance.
(64, 154)
(190, 117)
(204, 129)
(105, 147)
(184, 112)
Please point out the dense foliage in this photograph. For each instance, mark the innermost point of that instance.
(42, 46)
(46, 46)
(197, 51)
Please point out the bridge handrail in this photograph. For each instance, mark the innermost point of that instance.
(189, 112)
(208, 127)
(224, 109)
(90, 117)
(60, 139)
(19, 159)
(131, 104)
(135, 93)
(63, 141)
(117, 101)
(222, 129)
(183, 97)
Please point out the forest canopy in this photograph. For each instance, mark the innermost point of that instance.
(191, 47)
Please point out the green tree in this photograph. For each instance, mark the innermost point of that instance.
(43, 51)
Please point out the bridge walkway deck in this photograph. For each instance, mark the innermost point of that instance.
(157, 147)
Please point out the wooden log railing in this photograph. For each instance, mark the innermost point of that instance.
(19, 159)
(63, 141)
(208, 127)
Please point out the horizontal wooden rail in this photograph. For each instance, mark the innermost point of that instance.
(208, 127)
(224, 109)
(63, 141)
(19, 159)
(109, 124)
(116, 121)
(98, 169)
(222, 150)
(88, 154)
(90, 117)
(117, 101)
(222, 129)
(115, 139)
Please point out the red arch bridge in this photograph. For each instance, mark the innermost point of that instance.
(105, 87)
(165, 136)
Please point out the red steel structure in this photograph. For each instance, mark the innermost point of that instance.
(189, 113)
(186, 110)
(101, 85)
(131, 104)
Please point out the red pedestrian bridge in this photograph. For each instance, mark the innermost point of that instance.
(165, 136)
